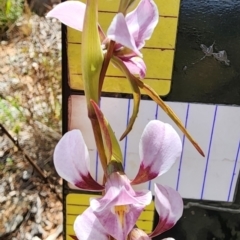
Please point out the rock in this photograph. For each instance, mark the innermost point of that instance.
(35, 65)
(43, 193)
(56, 233)
(36, 238)
(36, 230)
(28, 236)
(4, 43)
(26, 175)
(3, 199)
(12, 193)
(2, 189)
(15, 222)
(14, 80)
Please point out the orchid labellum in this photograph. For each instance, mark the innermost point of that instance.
(115, 214)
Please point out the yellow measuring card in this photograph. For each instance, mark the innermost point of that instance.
(78, 202)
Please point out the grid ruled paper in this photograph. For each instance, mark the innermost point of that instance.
(215, 128)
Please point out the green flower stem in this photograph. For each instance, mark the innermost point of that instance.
(92, 55)
(99, 143)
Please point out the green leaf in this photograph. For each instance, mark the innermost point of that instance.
(8, 7)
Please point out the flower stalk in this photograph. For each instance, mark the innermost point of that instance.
(92, 56)
(99, 143)
(92, 60)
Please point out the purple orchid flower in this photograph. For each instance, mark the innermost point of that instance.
(128, 32)
(115, 214)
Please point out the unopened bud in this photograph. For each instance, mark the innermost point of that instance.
(138, 234)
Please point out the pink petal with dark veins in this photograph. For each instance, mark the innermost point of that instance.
(71, 160)
(159, 148)
(169, 206)
(142, 21)
(135, 65)
(118, 32)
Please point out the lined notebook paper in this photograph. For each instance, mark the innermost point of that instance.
(216, 129)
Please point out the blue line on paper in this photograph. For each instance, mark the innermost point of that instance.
(209, 150)
(126, 138)
(156, 112)
(234, 172)
(183, 142)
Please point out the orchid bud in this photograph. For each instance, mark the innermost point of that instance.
(92, 55)
(138, 234)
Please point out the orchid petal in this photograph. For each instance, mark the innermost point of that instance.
(71, 13)
(119, 194)
(71, 161)
(159, 148)
(138, 234)
(140, 24)
(118, 32)
(136, 65)
(136, 103)
(136, 95)
(87, 226)
(169, 206)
